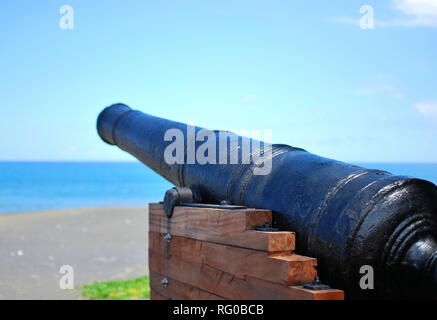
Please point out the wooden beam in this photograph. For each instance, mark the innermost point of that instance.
(218, 282)
(232, 227)
(176, 290)
(286, 268)
(156, 296)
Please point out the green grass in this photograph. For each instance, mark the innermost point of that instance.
(138, 288)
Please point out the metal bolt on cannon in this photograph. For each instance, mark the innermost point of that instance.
(344, 215)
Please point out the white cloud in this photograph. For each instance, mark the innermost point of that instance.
(417, 13)
(381, 85)
(427, 109)
(250, 98)
(387, 90)
(345, 19)
(417, 7)
(409, 22)
(70, 151)
(414, 13)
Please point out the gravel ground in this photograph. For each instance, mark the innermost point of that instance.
(99, 243)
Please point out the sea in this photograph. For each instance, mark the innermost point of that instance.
(34, 186)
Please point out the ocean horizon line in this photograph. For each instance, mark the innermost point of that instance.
(39, 185)
(31, 211)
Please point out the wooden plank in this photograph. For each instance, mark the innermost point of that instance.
(176, 290)
(156, 296)
(226, 285)
(301, 269)
(232, 227)
(286, 268)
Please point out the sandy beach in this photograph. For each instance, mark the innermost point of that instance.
(101, 244)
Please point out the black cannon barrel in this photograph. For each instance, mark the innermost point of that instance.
(346, 216)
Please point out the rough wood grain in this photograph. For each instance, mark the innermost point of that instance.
(176, 290)
(221, 283)
(156, 296)
(232, 227)
(214, 253)
(285, 268)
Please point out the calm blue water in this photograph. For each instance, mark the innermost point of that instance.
(27, 186)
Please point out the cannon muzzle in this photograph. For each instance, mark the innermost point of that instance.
(374, 233)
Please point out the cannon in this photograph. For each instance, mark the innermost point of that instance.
(346, 216)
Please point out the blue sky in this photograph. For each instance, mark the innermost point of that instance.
(304, 69)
